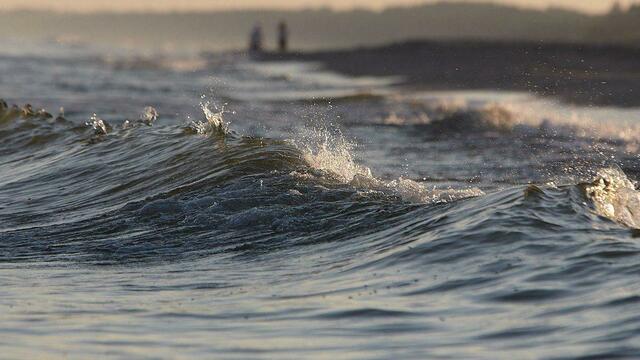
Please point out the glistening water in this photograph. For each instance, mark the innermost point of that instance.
(186, 206)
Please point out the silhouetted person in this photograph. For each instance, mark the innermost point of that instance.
(283, 36)
(255, 40)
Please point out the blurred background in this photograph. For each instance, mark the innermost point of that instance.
(218, 25)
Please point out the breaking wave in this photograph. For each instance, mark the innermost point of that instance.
(250, 167)
(523, 115)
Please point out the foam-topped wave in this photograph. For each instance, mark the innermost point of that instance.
(505, 113)
(329, 157)
(319, 158)
(456, 117)
(490, 117)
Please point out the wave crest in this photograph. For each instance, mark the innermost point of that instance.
(332, 154)
(9, 113)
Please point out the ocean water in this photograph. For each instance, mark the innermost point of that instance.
(208, 206)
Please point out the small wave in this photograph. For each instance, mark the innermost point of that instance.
(454, 117)
(491, 117)
(521, 114)
(451, 118)
(101, 127)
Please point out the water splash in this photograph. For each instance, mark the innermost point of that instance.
(149, 115)
(215, 122)
(100, 127)
(331, 153)
(615, 196)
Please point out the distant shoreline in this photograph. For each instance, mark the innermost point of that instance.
(600, 75)
(327, 29)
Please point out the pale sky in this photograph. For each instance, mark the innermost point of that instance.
(593, 6)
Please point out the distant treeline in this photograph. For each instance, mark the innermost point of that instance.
(329, 29)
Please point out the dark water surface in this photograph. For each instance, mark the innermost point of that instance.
(187, 206)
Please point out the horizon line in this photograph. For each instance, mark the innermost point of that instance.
(168, 11)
